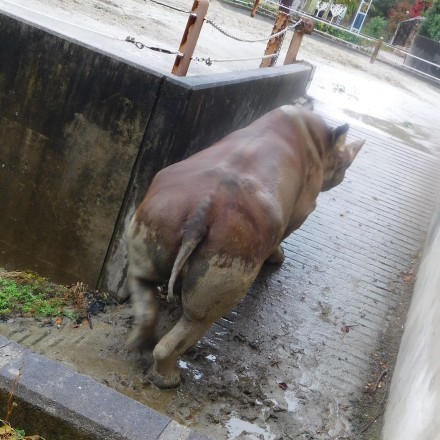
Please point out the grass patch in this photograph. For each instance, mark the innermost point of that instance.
(26, 294)
(7, 432)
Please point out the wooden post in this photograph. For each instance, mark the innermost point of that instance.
(274, 44)
(303, 28)
(376, 50)
(281, 22)
(254, 9)
(190, 37)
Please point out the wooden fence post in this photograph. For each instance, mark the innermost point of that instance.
(254, 9)
(305, 27)
(190, 37)
(274, 44)
(376, 50)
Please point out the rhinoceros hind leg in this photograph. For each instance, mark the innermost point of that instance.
(277, 257)
(144, 304)
(206, 297)
(165, 373)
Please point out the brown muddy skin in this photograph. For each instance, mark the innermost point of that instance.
(208, 223)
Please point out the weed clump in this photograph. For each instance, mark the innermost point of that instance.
(26, 294)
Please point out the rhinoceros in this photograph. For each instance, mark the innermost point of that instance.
(208, 223)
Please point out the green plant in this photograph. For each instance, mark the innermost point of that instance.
(431, 25)
(338, 33)
(376, 27)
(26, 294)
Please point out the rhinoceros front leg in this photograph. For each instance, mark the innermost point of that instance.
(277, 256)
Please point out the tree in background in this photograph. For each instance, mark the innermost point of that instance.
(376, 27)
(398, 13)
(431, 26)
(419, 8)
(382, 8)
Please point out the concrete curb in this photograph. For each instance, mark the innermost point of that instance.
(65, 400)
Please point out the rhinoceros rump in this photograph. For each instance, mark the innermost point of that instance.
(207, 224)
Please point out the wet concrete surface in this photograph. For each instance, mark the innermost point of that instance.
(294, 360)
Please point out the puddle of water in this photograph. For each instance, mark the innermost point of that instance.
(236, 426)
(291, 400)
(407, 111)
(196, 374)
(183, 364)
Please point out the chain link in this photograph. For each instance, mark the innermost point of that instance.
(170, 7)
(209, 61)
(141, 45)
(259, 40)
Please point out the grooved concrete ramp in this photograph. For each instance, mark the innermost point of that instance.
(295, 358)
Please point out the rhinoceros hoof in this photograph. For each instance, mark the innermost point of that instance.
(169, 380)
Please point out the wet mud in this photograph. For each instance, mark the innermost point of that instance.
(250, 377)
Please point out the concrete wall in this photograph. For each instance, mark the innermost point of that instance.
(83, 133)
(71, 122)
(414, 402)
(406, 32)
(426, 49)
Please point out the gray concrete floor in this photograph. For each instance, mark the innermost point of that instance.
(298, 357)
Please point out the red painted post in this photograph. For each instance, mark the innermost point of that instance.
(305, 27)
(274, 44)
(281, 22)
(190, 37)
(254, 9)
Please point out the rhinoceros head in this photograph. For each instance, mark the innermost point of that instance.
(339, 156)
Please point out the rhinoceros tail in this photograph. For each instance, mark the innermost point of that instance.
(195, 229)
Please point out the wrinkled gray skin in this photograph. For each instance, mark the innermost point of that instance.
(207, 224)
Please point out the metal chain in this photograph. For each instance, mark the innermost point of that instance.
(140, 45)
(244, 40)
(170, 7)
(209, 61)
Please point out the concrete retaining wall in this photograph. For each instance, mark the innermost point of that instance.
(426, 49)
(82, 134)
(406, 32)
(414, 402)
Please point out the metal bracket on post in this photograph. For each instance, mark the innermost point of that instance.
(190, 37)
(304, 27)
(274, 44)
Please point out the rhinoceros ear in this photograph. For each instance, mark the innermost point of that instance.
(337, 136)
(354, 148)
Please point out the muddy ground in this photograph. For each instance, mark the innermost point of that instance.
(239, 382)
(282, 365)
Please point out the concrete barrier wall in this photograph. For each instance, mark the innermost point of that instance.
(413, 407)
(426, 49)
(82, 134)
(71, 122)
